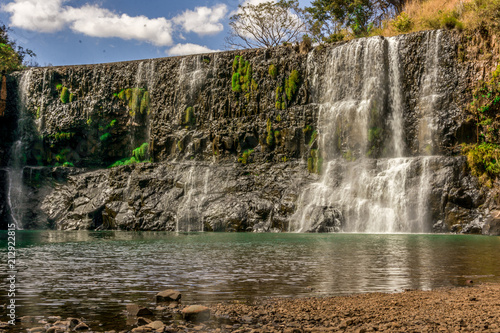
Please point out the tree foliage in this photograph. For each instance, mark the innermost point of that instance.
(267, 24)
(12, 57)
(328, 18)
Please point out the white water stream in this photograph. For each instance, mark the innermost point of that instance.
(367, 173)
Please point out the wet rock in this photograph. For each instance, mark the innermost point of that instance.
(142, 329)
(141, 321)
(136, 310)
(81, 327)
(492, 224)
(156, 325)
(73, 322)
(36, 330)
(196, 313)
(168, 296)
(325, 219)
(53, 319)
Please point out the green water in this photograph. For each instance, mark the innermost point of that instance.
(95, 274)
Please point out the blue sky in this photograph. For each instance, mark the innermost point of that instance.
(67, 32)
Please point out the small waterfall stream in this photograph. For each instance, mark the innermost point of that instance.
(16, 200)
(189, 215)
(368, 181)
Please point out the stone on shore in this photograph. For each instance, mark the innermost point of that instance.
(196, 313)
(136, 310)
(168, 296)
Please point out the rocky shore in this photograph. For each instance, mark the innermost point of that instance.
(460, 309)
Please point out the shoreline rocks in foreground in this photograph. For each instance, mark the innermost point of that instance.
(457, 309)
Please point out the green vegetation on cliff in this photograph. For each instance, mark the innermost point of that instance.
(137, 99)
(139, 155)
(314, 162)
(244, 159)
(291, 84)
(484, 111)
(65, 95)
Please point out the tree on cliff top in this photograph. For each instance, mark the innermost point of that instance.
(329, 17)
(11, 56)
(267, 24)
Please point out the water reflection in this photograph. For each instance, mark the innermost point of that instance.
(93, 274)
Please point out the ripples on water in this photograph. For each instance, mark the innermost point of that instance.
(94, 274)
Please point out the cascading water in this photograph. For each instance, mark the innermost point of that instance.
(15, 194)
(368, 182)
(189, 215)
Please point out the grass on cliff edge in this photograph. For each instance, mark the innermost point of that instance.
(418, 15)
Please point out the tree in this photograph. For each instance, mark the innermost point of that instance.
(267, 24)
(329, 17)
(11, 57)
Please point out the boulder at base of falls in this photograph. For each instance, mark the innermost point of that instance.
(492, 225)
(325, 219)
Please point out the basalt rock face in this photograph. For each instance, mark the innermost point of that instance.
(257, 140)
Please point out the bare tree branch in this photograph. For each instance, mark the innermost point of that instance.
(267, 24)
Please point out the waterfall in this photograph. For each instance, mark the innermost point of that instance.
(15, 193)
(368, 182)
(189, 216)
(15, 186)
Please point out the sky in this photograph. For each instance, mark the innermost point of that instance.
(69, 32)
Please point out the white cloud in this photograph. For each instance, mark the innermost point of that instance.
(202, 20)
(98, 22)
(53, 16)
(43, 16)
(188, 48)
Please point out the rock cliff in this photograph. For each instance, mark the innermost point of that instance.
(358, 136)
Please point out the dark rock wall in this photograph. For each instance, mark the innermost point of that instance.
(220, 160)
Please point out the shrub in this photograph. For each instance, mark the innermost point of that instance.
(273, 72)
(145, 102)
(111, 124)
(121, 95)
(71, 97)
(402, 23)
(314, 135)
(105, 137)
(64, 95)
(314, 162)
(235, 84)
(242, 76)
(307, 41)
(236, 63)
(245, 156)
(63, 136)
(449, 21)
(483, 160)
(270, 136)
(189, 118)
(334, 38)
(140, 153)
(59, 87)
(291, 84)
